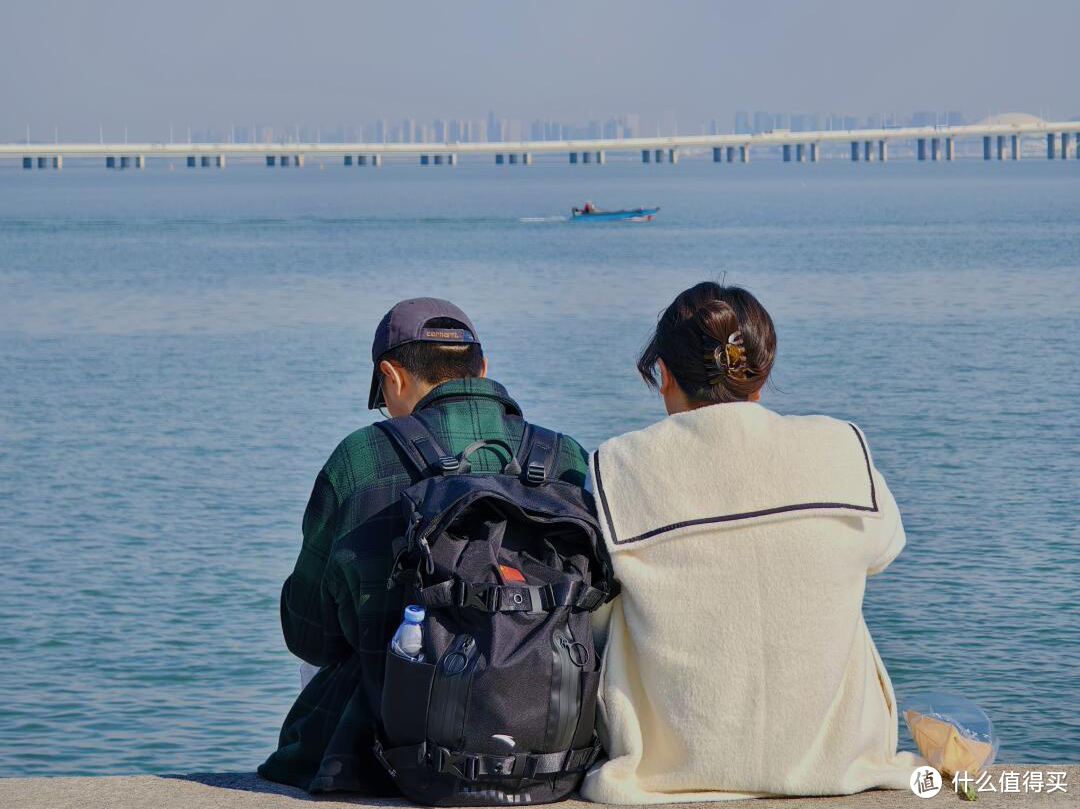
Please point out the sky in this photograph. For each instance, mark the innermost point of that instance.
(68, 67)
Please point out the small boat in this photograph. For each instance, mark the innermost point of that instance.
(630, 214)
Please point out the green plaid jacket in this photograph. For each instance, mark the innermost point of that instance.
(336, 611)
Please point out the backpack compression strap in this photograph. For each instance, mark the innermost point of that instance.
(414, 438)
(482, 766)
(537, 452)
(492, 597)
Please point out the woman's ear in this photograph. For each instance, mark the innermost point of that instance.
(667, 381)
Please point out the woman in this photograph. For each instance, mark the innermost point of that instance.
(737, 662)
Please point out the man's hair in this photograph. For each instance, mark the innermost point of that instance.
(433, 362)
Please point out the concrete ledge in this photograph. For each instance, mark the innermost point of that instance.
(241, 790)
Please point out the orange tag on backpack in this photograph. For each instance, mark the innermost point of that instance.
(511, 574)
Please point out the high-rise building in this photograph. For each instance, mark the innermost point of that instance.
(380, 131)
(742, 121)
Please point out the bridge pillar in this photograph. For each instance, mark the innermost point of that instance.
(361, 160)
(451, 160)
(110, 162)
(868, 151)
(935, 148)
(424, 159)
(526, 158)
(744, 153)
(730, 154)
(271, 161)
(125, 161)
(673, 155)
(949, 148)
(437, 159)
(800, 152)
(376, 160)
(986, 147)
(28, 162)
(1015, 147)
(646, 155)
(219, 161)
(58, 161)
(347, 160)
(1049, 145)
(204, 161)
(601, 158)
(787, 152)
(586, 157)
(1000, 147)
(139, 161)
(1065, 144)
(573, 157)
(882, 150)
(814, 152)
(920, 148)
(718, 154)
(513, 159)
(854, 151)
(658, 155)
(500, 159)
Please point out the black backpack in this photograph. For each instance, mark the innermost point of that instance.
(508, 567)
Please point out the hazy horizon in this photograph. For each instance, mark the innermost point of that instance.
(70, 68)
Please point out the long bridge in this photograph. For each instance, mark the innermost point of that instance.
(1002, 138)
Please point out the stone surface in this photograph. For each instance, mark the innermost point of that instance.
(241, 790)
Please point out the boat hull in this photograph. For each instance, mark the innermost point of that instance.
(629, 214)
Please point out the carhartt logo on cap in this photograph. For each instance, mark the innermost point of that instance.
(447, 334)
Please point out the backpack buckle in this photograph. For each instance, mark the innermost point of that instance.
(463, 765)
(448, 464)
(480, 595)
(534, 473)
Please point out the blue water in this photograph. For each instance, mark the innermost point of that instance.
(180, 350)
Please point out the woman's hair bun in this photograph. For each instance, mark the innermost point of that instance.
(717, 341)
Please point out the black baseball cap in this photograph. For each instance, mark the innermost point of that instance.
(407, 322)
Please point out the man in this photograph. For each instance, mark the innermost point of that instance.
(336, 611)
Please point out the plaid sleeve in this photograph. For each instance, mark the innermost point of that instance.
(309, 618)
(572, 463)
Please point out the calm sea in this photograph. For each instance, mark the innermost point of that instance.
(180, 351)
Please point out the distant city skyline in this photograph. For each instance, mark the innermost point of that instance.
(493, 128)
(77, 70)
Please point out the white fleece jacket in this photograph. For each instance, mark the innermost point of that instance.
(737, 661)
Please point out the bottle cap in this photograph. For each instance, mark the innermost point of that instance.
(414, 614)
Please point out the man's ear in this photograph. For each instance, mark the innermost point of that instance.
(393, 378)
(483, 371)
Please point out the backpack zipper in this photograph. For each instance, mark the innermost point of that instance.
(565, 701)
(450, 692)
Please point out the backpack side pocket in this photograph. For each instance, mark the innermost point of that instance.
(405, 697)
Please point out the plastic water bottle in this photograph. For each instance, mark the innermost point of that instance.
(408, 641)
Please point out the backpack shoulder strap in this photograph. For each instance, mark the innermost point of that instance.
(414, 438)
(537, 453)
